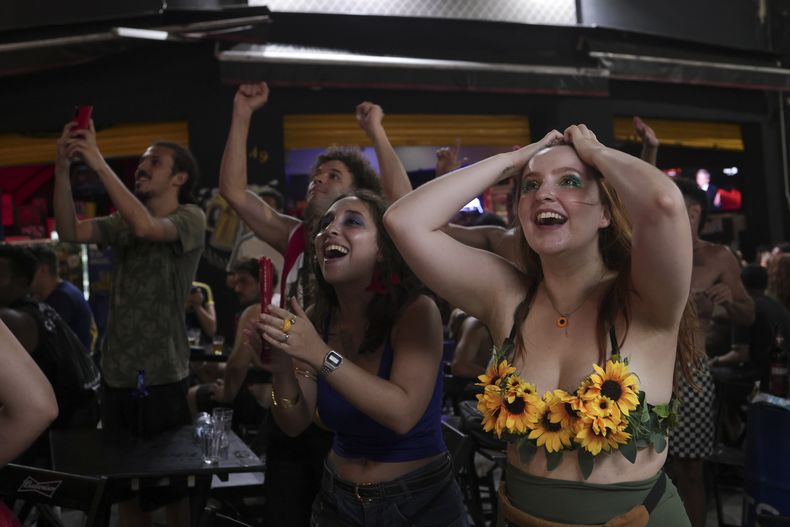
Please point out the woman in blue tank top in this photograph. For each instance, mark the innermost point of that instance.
(583, 374)
(364, 361)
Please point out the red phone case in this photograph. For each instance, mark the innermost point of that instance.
(266, 279)
(82, 116)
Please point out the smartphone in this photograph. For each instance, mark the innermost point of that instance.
(266, 279)
(82, 116)
(266, 273)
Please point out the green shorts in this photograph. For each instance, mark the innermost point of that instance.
(589, 503)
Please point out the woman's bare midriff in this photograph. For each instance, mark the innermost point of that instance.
(361, 470)
(609, 468)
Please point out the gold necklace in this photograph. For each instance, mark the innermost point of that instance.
(564, 318)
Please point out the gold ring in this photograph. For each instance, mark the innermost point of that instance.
(287, 323)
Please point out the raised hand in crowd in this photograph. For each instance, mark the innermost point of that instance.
(649, 141)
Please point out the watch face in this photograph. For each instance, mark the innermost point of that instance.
(334, 359)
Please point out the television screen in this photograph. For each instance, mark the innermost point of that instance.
(722, 185)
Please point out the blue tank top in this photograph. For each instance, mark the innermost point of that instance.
(359, 436)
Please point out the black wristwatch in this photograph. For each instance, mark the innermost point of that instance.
(332, 361)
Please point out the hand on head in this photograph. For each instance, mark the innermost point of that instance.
(521, 156)
(369, 116)
(250, 97)
(583, 141)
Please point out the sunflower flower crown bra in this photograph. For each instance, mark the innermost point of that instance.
(607, 413)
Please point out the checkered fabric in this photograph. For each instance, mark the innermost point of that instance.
(693, 437)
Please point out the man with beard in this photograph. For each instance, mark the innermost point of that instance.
(157, 240)
(293, 478)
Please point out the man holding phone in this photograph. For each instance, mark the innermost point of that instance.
(157, 239)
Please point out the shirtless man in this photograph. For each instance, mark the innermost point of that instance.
(715, 281)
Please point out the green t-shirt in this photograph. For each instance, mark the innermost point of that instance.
(150, 284)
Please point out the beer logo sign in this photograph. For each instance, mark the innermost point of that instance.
(45, 488)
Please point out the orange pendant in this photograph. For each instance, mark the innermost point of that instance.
(562, 322)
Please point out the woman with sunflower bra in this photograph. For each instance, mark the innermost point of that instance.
(365, 361)
(581, 381)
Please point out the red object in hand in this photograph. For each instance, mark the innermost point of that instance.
(266, 279)
(82, 116)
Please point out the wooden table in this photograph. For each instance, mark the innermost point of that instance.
(136, 462)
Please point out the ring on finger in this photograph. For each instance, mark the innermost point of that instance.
(285, 337)
(287, 323)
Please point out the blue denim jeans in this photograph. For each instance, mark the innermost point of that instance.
(438, 504)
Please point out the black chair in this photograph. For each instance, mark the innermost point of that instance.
(462, 450)
(767, 520)
(726, 463)
(47, 488)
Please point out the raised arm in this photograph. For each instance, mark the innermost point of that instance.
(661, 245)
(394, 180)
(206, 315)
(397, 402)
(142, 223)
(27, 402)
(650, 143)
(415, 223)
(69, 227)
(269, 225)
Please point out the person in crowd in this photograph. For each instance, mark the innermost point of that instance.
(762, 255)
(366, 359)
(472, 346)
(606, 248)
(27, 402)
(54, 347)
(157, 238)
(233, 387)
(200, 312)
(502, 240)
(711, 191)
(293, 478)
(779, 278)
(753, 344)
(715, 283)
(249, 245)
(63, 296)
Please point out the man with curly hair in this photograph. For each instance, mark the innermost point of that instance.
(293, 479)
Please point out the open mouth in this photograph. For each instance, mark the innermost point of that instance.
(550, 218)
(334, 251)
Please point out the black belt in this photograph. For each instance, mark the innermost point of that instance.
(398, 487)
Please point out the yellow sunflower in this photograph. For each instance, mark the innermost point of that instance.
(548, 428)
(594, 439)
(491, 404)
(495, 373)
(516, 386)
(617, 383)
(603, 412)
(520, 412)
(562, 408)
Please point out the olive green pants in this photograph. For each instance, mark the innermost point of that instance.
(589, 503)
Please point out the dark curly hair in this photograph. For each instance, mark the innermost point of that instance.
(383, 309)
(365, 178)
(183, 160)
